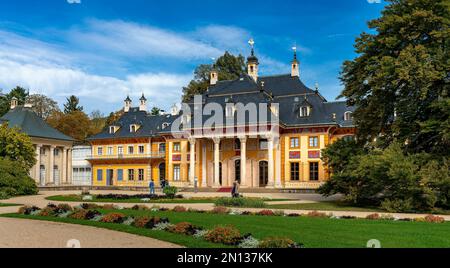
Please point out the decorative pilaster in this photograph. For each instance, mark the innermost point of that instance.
(243, 140)
(216, 162)
(64, 166)
(271, 182)
(37, 169)
(277, 144)
(192, 161)
(51, 165)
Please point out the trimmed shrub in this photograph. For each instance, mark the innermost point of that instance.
(227, 235)
(14, 180)
(293, 215)
(113, 218)
(90, 206)
(149, 222)
(162, 226)
(434, 219)
(170, 192)
(240, 202)
(27, 210)
(220, 210)
(249, 242)
(397, 205)
(141, 222)
(278, 242)
(316, 214)
(109, 207)
(183, 228)
(83, 214)
(179, 209)
(374, 216)
(140, 207)
(266, 213)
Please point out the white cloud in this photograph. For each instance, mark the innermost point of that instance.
(374, 1)
(74, 1)
(135, 40)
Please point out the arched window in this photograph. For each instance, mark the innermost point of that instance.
(305, 111)
(348, 116)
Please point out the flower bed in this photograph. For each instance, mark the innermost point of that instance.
(137, 196)
(227, 235)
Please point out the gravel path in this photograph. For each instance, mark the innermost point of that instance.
(18, 233)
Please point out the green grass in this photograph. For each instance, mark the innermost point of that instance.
(194, 200)
(9, 205)
(312, 232)
(325, 206)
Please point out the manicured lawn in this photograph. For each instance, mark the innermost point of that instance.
(195, 200)
(325, 206)
(312, 232)
(8, 205)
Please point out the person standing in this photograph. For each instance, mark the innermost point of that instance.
(235, 190)
(195, 185)
(152, 187)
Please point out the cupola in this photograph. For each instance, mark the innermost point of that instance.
(252, 62)
(127, 106)
(143, 103)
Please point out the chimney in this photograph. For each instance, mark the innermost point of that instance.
(252, 62)
(14, 103)
(143, 103)
(295, 70)
(127, 104)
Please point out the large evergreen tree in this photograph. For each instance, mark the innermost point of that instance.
(228, 66)
(72, 105)
(5, 101)
(400, 80)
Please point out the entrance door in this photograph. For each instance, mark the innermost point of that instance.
(162, 171)
(42, 175)
(220, 174)
(263, 173)
(237, 170)
(56, 175)
(109, 177)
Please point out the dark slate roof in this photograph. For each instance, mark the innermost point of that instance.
(289, 92)
(150, 125)
(33, 125)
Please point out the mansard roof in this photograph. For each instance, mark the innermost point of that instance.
(150, 125)
(33, 125)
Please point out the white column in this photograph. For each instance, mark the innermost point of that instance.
(51, 164)
(38, 164)
(278, 163)
(243, 160)
(271, 162)
(192, 161)
(216, 162)
(204, 175)
(69, 167)
(64, 166)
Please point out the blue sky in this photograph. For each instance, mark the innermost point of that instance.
(102, 50)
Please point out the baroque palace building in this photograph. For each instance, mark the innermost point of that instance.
(280, 147)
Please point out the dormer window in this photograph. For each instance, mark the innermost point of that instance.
(348, 116)
(134, 128)
(113, 129)
(305, 111)
(229, 111)
(165, 125)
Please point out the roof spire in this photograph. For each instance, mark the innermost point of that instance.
(252, 62)
(295, 66)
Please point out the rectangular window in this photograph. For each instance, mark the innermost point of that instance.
(295, 143)
(120, 150)
(176, 173)
(141, 174)
(176, 147)
(313, 142)
(295, 171)
(110, 150)
(56, 152)
(131, 174)
(314, 171)
(130, 149)
(120, 175)
(263, 144)
(162, 147)
(42, 151)
(100, 151)
(99, 174)
(141, 149)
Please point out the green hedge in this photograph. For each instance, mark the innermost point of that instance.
(240, 202)
(14, 180)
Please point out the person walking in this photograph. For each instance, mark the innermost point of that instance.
(235, 190)
(151, 185)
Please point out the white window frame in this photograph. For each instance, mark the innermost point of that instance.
(100, 150)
